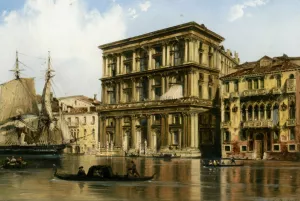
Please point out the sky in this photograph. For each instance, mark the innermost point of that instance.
(72, 30)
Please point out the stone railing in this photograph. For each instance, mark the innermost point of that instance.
(290, 85)
(225, 124)
(276, 91)
(255, 92)
(258, 124)
(291, 122)
(234, 95)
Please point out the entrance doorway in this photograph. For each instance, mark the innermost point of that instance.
(259, 145)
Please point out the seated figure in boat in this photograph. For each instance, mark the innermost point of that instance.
(13, 160)
(210, 162)
(19, 161)
(81, 171)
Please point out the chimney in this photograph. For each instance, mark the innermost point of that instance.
(95, 97)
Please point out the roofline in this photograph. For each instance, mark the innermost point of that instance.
(191, 24)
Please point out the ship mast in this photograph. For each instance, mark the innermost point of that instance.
(17, 69)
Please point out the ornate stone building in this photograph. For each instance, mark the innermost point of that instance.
(160, 91)
(82, 120)
(259, 109)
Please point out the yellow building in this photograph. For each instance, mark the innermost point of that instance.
(259, 117)
(160, 91)
(82, 120)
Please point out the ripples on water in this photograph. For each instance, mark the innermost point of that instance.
(179, 179)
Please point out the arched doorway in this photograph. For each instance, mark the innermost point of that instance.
(259, 145)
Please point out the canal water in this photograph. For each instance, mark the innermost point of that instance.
(178, 179)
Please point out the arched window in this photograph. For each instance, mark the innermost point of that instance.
(292, 110)
(275, 114)
(268, 110)
(250, 110)
(256, 112)
(227, 113)
(291, 76)
(262, 112)
(244, 113)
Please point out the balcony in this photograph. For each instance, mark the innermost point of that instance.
(290, 85)
(226, 95)
(234, 95)
(258, 124)
(225, 124)
(291, 122)
(276, 91)
(255, 92)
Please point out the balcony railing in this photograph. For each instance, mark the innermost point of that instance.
(291, 122)
(290, 85)
(255, 92)
(276, 91)
(258, 124)
(226, 124)
(234, 94)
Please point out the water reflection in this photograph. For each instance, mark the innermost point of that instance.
(179, 179)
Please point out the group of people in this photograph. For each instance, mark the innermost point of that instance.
(13, 160)
(130, 171)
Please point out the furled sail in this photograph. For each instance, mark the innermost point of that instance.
(17, 97)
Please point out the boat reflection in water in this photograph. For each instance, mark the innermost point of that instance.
(179, 179)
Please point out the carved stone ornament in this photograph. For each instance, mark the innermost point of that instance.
(234, 109)
(283, 106)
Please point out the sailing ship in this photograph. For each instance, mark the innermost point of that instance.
(26, 128)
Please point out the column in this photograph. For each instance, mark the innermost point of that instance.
(186, 48)
(180, 136)
(121, 91)
(196, 144)
(133, 132)
(265, 112)
(103, 133)
(167, 83)
(138, 138)
(189, 84)
(162, 130)
(192, 133)
(191, 50)
(167, 130)
(164, 49)
(150, 58)
(149, 134)
(154, 142)
(118, 64)
(197, 59)
(184, 127)
(185, 94)
(134, 99)
(103, 66)
(134, 61)
(117, 92)
(246, 114)
(102, 92)
(150, 88)
(138, 90)
(105, 94)
(163, 87)
(117, 131)
(168, 62)
(121, 64)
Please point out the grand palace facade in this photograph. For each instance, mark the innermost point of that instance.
(160, 91)
(260, 109)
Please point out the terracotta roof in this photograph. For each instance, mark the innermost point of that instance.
(278, 64)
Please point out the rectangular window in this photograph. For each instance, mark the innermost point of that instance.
(249, 84)
(227, 87)
(255, 84)
(227, 148)
(292, 134)
(276, 147)
(200, 91)
(292, 147)
(243, 148)
(84, 134)
(236, 86)
(209, 93)
(227, 136)
(262, 83)
(93, 120)
(243, 136)
(278, 81)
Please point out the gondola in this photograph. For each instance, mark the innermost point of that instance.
(166, 156)
(14, 165)
(100, 173)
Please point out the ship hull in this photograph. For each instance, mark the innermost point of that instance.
(33, 149)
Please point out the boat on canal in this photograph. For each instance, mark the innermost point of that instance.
(100, 173)
(166, 156)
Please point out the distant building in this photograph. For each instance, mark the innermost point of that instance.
(260, 109)
(82, 119)
(160, 91)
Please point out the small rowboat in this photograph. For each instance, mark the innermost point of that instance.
(105, 175)
(14, 165)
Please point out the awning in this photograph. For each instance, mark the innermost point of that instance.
(175, 92)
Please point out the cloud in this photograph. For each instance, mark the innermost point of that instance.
(145, 6)
(132, 13)
(237, 11)
(72, 33)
